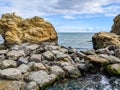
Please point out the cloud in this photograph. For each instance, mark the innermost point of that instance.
(68, 17)
(27, 8)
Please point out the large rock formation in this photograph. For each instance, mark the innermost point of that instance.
(16, 30)
(116, 25)
(103, 39)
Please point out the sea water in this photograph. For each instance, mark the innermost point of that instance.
(82, 41)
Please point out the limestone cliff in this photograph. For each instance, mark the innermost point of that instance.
(103, 39)
(116, 25)
(16, 30)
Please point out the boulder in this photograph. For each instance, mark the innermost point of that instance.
(22, 60)
(38, 66)
(16, 30)
(113, 69)
(11, 73)
(32, 86)
(104, 39)
(42, 78)
(48, 55)
(8, 64)
(116, 25)
(36, 57)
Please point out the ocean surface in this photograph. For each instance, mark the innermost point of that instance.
(80, 41)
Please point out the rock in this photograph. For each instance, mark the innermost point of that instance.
(116, 25)
(8, 64)
(96, 59)
(11, 73)
(89, 52)
(104, 39)
(22, 60)
(42, 78)
(13, 54)
(117, 53)
(102, 51)
(80, 54)
(112, 59)
(112, 47)
(57, 71)
(64, 50)
(113, 69)
(32, 86)
(48, 55)
(3, 51)
(71, 50)
(11, 85)
(38, 66)
(18, 30)
(32, 47)
(24, 68)
(72, 71)
(36, 57)
(2, 57)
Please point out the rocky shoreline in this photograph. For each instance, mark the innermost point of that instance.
(37, 66)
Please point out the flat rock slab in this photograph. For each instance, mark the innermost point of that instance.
(11, 73)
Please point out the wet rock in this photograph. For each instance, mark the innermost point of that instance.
(112, 59)
(11, 85)
(57, 71)
(42, 78)
(11, 73)
(36, 57)
(117, 53)
(113, 69)
(13, 54)
(24, 68)
(22, 60)
(32, 86)
(38, 66)
(48, 55)
(72, 71)
(8, 64)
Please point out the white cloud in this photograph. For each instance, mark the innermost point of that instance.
(28, 8)
(68, 17)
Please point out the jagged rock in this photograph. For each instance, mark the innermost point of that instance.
(48, 55)
(11, 85)
(22, 60)
(116, 25)
(8, 64)
(11, 73)
(42, 78)
(104, 39)
(16, 30)
(36, 57)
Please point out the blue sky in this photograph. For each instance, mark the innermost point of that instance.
(67, 15)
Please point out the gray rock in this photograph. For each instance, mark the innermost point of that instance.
(117, 53)
(48, 55)
(11, 73)
(112, 59)
(72, 71)
(32, 86)
(36, 57)
(8, 64)
(64, 50)
(89, 52)
(2, 56)
(22, 60)
(24, 68)
(77, 59)
(112, 47)
(102, 51)
(71, 50)
(80, 54)
(57, 71)
(13, 54)
(3, 51)
(42, 78)
(32, 47)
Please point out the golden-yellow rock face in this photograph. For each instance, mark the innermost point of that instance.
(103, 39)
(116, 25)
(16, 30)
